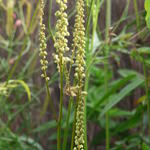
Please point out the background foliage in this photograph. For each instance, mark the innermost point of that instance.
(25, 116)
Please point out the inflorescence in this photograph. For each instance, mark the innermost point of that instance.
(61, 42)
(60, 58)
(79, 43)
(43, 44)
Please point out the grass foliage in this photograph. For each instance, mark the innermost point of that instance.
(117, 78)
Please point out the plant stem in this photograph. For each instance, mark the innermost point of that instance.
(74, 123)
(107, 114)
(89, 12)
(108, 19)
(85, 112)
(49, 20)
(50, 101)
(107, 132)
(147, 95)
(137, 15)
(60, 110)
(67, 124)
(108, 23)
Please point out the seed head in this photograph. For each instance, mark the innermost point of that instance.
(79, 44)
(61, 41)
(43, 45)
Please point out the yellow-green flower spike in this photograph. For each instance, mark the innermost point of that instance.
(43, 44)
(61, 42)
(79, 44)
(79, 132)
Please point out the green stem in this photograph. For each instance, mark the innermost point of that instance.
(108, 23)
(74, 123)
(137, 15)
(60, 111)
(85, 112)
(49, 19)
(107, 132)
(67, 124)
(89, 12)
(147, 96)
(50, 100)
(108, 18)
(107, 114)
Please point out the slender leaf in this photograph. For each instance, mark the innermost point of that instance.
(122, 94)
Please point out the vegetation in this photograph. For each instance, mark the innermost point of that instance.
(94, 88)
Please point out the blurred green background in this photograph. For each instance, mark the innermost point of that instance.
(26, 121)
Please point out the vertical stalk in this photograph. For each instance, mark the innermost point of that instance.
(88, 57)
(137, 15)
(67, 124)
(108, 19)
(107, 114)
(147, 86)
(85, 112)
(49, 19)
(89, 12)
(50, 101)
(74, 123)
(61, 45)
(108, 23)
(60, 110)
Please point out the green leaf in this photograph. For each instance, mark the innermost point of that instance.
(144, 50)
(25, 86)
(147, 5)
(132, 122)
(4, 87)
(145, 146)
(116, 112)
(112, 90)
(46, 126)
(115, 99)
(30, 142)
(128, 72)
(147, 8)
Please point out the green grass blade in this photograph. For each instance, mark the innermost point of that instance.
(122, 94)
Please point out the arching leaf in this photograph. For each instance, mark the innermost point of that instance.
(147, 8)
